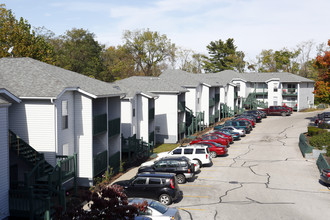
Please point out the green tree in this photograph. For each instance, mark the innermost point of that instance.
(78, 51)
(150, 50)
(17, 39)
(223, 56)
(278, 61)
(119, 64)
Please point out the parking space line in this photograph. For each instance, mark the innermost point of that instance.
(326, 190)
(195, 196)
(192, 209)
(195, 186)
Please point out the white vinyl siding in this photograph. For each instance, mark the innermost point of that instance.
(166, 118)
(84, 138)
(65, 136)
(34, 122)
(126, 118)
(4, 163)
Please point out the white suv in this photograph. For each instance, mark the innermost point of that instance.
(200, 154)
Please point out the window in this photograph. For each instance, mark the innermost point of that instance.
(200, 151)
(161, 164)
(133, 112)
(65, 114)
(188, 151)
(140, 181)
(154, 181)
(177, 151)
(65, 149)
(173, 163)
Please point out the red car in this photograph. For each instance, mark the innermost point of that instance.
(288, 108)
(246, 119)
(212, 137)
(215, 148)
(230, 138)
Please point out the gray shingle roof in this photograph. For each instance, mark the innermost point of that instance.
(222, 78)
(26, 77)
(148, 85)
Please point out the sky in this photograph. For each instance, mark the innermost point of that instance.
(254, 25)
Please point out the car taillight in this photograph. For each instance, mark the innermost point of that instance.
(172, 184)
(328, 174)
(206, 156)
(188, 170)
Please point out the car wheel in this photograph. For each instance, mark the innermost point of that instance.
(165, 199)
(283, 114)
(199, 162)
(213, 154)
(181, 178)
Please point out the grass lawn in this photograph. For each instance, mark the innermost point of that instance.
(164, 147)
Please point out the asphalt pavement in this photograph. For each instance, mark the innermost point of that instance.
(264, 176)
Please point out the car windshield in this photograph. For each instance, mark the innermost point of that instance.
(158, 206)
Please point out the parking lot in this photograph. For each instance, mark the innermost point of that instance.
(264, 176)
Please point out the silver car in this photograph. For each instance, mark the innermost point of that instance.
(156, 210)
(238, 130)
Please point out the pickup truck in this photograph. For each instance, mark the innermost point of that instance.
(277, 110)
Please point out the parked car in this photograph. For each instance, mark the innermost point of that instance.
(241, 131)
(239, 124)
(215, 148)
(252, 121)
(161, 186)
(213, 138)
(253, 113)
(180, 166)
(156, 210)
(276, 110)
(288, 108)
(236, 136)
(199, 154)
(325, 176)
(151, 162)
(262, 113)
(229, 136)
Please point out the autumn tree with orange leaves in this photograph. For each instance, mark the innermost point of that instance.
(322, 85)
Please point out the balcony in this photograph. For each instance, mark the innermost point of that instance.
(217, 114)
(151, 114)
(99, 124)
(211, 119)
(181, 106)
(217, 98)
(114, 127)
(235, 95)
(182, 127)
(211, 102)
(290, 92)
(152, 137)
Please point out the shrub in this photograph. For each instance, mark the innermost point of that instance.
(320, 140)
(312, 131)
(324, 126)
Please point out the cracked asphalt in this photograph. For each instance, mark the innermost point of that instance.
(264, 176)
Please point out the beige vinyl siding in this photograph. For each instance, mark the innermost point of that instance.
(34, 122)
(4, 163)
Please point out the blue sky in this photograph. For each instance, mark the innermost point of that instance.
(191, 24)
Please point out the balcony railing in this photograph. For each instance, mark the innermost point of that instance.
(181, 106)
(99, 124)
(100, 162)
(114, 127)
(217, 114)
(289, 92)
(211, 119)
(151, 114)
(235, 95)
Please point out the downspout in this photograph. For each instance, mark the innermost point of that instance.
(52, 101)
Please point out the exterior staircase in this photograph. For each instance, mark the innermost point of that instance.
(251, 102)
(194, 123)
(41, 190)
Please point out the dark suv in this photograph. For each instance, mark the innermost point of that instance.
(180, 166)
(161, 186)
